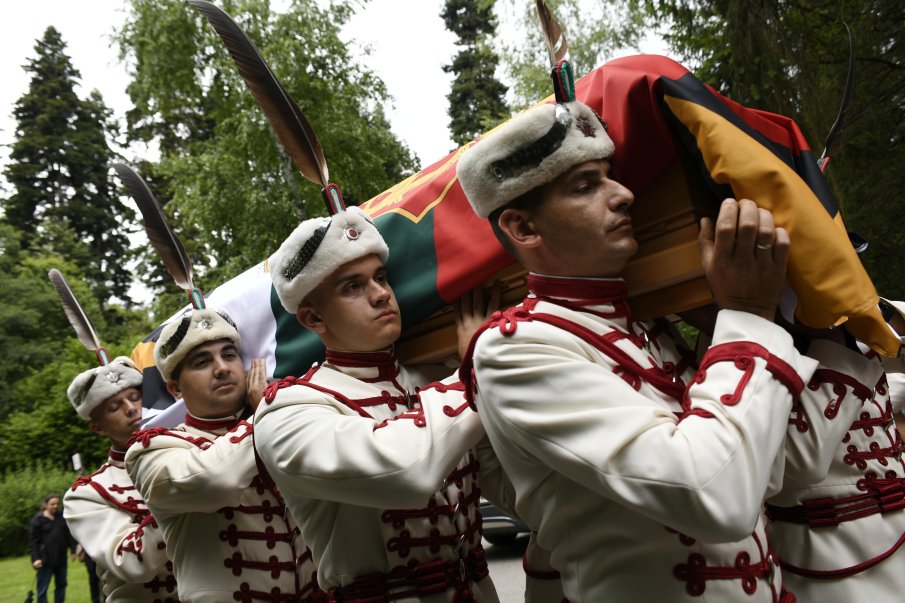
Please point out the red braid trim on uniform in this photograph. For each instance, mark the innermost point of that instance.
(237, 564)
(859, 458)
(883, 496)
(577, 293)
(798, 418)
(696, 573)
(416, 415)
(845, 571)
(654, 375)
(132, 505)
(787, 597)
(168, 584)
(267, 510)
(146, 435)
(232, 535)
(458, 475)
(404, 542)
(246, 595)
(840, 384)
(538, 574)
(433, 512)
(116, 456)
(384, 361)
(417, 581)
(867, 423)
(458, 386)
(271, 391)
(384, 399)
(627, 367)
(742, 353)
(133, 542)
(227, 423)
(507, 321)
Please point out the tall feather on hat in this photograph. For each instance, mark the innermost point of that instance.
(92, 387)
(196, 326)
(317, 247)
(538, 145)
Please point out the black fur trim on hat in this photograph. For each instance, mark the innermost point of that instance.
(227, 318)
(307, 251)
(170, 345)
(532, 155)
(83, 393)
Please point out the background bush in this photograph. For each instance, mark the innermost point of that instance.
(21, 493)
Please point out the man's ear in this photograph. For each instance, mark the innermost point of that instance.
(311, 320)
(173, 388)
(96, 428)
(518, 226)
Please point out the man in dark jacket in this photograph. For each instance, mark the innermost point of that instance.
(48, 539)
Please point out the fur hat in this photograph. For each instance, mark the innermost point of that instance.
(92, 387)
(317, 247)
(530, 150)
(184, 334)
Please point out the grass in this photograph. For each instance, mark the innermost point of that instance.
(17, 577)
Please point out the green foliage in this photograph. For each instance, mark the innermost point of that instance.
(476, 100)
(34, 332)
(223, 177)
(21, 493)
(63, 198)
(31, 320)
(594, 31)
(791, 58)
(50, 417)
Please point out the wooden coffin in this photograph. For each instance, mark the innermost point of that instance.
(664, 277)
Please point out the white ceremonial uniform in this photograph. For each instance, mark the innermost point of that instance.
(226, 528)
(373, 470)
(109, 519)
(839, 523)
(641, 488)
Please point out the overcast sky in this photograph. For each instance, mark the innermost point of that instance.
(410, 65)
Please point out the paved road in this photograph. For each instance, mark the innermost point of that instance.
(505, 563)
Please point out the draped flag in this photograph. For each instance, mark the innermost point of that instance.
(681, 147)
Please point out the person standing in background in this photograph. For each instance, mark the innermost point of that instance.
(48, 539)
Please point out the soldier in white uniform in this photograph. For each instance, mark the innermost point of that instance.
(838, 525)
(644, 478)
(226, 527)
(378, 468)
(104, 512)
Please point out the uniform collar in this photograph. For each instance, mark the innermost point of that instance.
(116, 457)
(221, 425)
(367, 366)
(607, 297)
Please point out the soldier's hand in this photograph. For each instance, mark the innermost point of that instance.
(472, 311)
(255, 383)
(744, 256)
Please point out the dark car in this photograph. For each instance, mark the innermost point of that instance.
(500, 527)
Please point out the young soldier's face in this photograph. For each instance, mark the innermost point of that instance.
(584, 223)
(118, 417)
(211, 380)
(354, 309)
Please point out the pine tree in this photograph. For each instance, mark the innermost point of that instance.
(58, 171)
(476, 100)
